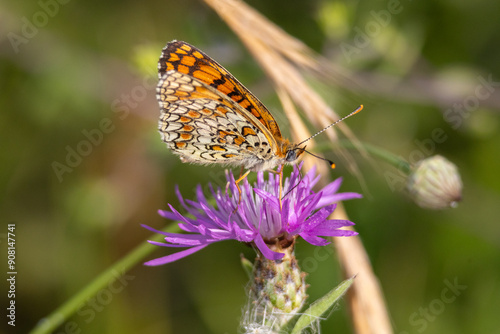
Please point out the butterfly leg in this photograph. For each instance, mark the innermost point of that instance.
(280, 173)
(281, 187)
(241, 178)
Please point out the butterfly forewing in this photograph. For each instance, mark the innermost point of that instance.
(187, 59)
(203, 126)
(209, 117)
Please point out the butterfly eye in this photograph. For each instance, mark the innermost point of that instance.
(291, 155)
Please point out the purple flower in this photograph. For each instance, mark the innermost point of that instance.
(258, 220)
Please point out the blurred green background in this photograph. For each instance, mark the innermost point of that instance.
(78, 72)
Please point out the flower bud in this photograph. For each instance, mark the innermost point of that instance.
(435, 183)
(277, 293)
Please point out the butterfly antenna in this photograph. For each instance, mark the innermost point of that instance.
(295, 186)
(329, 126)
(332, 164)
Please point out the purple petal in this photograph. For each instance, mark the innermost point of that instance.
(155, 230)
(345, 233)
(167, 214)
(290, 218)
(222, 234)
(213, 217)
(162, 244)
(175, 256)
(179, 196)
(187, 240)
(314, 240)
(333, 187)
(311, 174)
(318, 217)
(189, 228)
(326, 200)
(243, 234)
(332, 224)
(193, 206)
(167, 234)
(264, 249)
(269, 198)
(181, 217)
(312, 178)
(328, 233)
(308, 208)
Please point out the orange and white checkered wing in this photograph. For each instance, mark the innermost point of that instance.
(207, 116)
(202, 126)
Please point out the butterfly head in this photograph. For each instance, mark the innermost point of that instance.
(293, 153)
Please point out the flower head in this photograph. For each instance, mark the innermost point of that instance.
(258, 219)
(435, 183)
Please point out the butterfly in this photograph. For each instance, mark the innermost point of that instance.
(209, 117)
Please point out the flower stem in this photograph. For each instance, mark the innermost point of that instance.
(66, 310)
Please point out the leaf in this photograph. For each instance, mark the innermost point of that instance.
(321, 305)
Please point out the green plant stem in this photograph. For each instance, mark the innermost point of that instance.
(378, 152)
(66, 310)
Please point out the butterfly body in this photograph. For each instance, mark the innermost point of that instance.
(209, 117)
